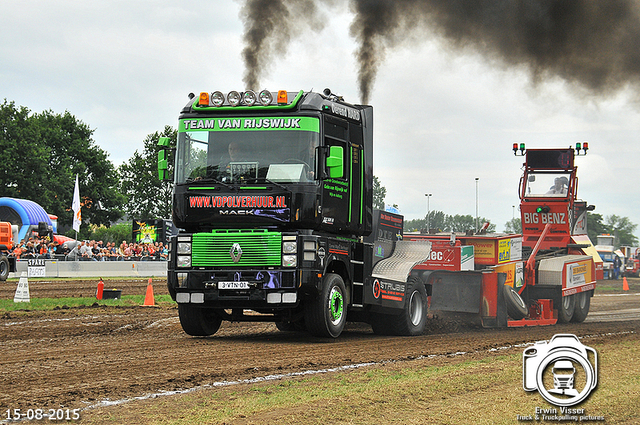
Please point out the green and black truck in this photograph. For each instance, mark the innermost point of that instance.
(273, 201)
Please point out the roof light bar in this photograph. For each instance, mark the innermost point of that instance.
(249, 98)
(265, 97)
(246, 98)
(234, 98)
(217, 99)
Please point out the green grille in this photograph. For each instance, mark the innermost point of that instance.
(260, 248)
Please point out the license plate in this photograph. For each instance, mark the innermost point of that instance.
(233, 285)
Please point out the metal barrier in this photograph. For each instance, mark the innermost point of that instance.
(57, 268)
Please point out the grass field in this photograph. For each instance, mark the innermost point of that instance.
(68, 302)
(467, 389)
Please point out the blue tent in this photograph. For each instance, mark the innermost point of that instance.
(24, 214)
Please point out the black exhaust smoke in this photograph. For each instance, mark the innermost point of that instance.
(269, 27)
(591, 44)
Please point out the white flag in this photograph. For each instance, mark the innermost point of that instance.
(77, 215)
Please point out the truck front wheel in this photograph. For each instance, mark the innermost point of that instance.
(581, 311)
(198, 321)
(326, 315)
(566, 309)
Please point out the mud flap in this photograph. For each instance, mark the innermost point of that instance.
(494, 304)
(456, 292)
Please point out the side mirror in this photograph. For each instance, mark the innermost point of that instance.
(335, 162)
(163, 164)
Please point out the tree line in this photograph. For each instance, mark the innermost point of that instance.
(44, 151)
(621, 227)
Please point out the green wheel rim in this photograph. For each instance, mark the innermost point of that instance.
(336, 305)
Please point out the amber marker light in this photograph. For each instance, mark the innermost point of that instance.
(282, 97)
(204, 99)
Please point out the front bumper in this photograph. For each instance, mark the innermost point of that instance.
(250, 289)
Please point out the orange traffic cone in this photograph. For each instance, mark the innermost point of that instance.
(625, 284)
(100, 289)
(149, 300)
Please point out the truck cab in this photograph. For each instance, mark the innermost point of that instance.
(272, 193)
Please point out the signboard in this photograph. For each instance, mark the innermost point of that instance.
(151, 231)
(35, 268)
(443, 256)
(578, 274)
(495, 250)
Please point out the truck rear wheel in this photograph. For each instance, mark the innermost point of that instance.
(516, 307)
(566, 309)
(326, 315)
(581, 311)
(4, 268)
(198, 321)
(413, 318)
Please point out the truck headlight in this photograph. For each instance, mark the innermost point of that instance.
(289, 247)
(184, 261)
(184, 248)
(289, 260)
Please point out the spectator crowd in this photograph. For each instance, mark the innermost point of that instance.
(90, 250)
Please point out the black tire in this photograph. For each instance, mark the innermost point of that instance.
(413, 318)
(285, 326)
(516, 307)
(197, 321)
(566, 308)
(291, 326)
(4, 268)
(581, 310)
(381, 324)
(326, 315)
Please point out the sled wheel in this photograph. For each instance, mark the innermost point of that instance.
(326, 315)
(4, 268)
(566, 309)
(516, 307)
(413, 318)
(583, 302)
(197, 321)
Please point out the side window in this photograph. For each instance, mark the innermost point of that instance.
(335, 130)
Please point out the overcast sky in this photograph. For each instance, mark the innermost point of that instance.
(442, 118)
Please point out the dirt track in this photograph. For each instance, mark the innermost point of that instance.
(79, 357)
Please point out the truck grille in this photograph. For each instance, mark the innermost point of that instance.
(237, 248)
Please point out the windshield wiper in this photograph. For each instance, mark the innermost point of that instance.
(281, 186)
(211, 179)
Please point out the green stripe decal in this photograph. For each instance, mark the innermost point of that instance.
(361, 188)
(350, 182)
(251, 124)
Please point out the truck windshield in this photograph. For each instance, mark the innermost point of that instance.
(547, 185)
(283, 156)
